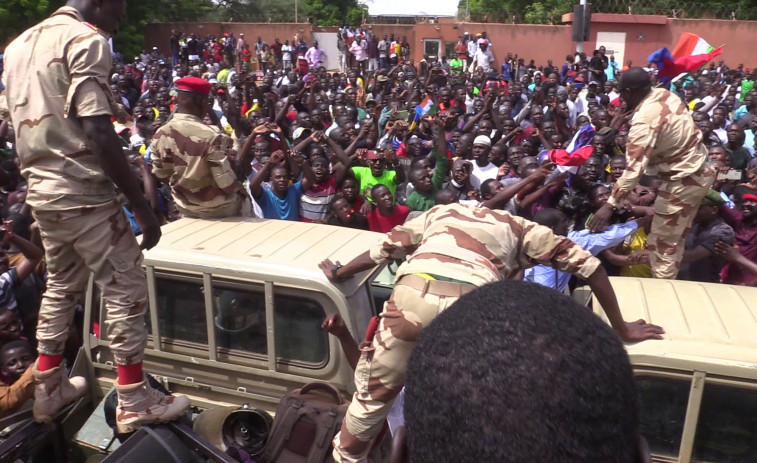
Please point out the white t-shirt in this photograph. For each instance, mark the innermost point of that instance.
(286, 52)
(481, 174)
(483, 59)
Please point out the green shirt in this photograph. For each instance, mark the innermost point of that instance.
(418, 201)
(367, 180)
(223, 75)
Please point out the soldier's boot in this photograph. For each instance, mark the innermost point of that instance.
(140, 404)
(53, 390)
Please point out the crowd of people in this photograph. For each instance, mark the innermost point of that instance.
(376, 145)
(384, 140)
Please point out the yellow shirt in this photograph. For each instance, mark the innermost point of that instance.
(637, 242)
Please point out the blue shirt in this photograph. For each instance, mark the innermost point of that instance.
(592, 242)
(287, 208)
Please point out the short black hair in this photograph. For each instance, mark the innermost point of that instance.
(549, 217)
(487, 187)
(634, 78)
(15, 345)
(534, 376)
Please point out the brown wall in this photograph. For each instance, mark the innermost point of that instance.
(157, 35)
(644, 34)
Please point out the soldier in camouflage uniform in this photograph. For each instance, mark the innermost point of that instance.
(451, 250)
(663, 140)
(60, 105)
(191, 157)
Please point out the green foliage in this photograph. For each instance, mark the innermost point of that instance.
(130, 38)
(18, 15)
(547, 11)
(320, 12)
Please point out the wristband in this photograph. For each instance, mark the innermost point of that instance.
(334, 269)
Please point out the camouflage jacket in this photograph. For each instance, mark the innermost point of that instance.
(191, 157)
(55, 73)
(662, 140)
(478, 245)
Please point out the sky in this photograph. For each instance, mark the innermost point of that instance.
(411, 8)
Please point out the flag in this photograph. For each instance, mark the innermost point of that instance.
(427, 106)
(689, 45)
(583, 137)
(668, 66)
(577, 152)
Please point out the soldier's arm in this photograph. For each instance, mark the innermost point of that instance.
(641, 140)
(540, 244)
(92, 104)
(102, 139)
(221, 169)
(396, 245)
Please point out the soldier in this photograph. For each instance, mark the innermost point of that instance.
(451, 250)
(61, 105)
(662, 140)
(191, 157)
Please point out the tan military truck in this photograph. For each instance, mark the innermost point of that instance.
(235, 313)
(698, 386)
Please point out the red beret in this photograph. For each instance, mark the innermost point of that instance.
(193, 84)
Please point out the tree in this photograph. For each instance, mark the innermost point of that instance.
(130, 38)
(18, 15)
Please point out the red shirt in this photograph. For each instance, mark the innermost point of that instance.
(385, 223)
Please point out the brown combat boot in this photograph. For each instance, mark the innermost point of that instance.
(140, 404)
(53, 390)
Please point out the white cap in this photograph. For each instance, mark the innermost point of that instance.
(482, 140)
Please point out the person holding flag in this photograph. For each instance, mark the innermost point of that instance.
(664, 141)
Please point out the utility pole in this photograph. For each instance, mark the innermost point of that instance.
(296, 2)
(580, 43)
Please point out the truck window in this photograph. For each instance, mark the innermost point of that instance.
(240, 323)
(663, 404)
(239, 317)
(181, 309)
(299, 336)
(726, 426)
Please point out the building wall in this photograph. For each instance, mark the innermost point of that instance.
(644, 34)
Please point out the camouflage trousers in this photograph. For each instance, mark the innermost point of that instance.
(380, 373)
(241, 207)
(674, 210)
(95, 239)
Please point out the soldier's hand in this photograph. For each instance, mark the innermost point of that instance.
(149, 225)
(326, 266)
(334, 324)
(600, 218)
(640, 331)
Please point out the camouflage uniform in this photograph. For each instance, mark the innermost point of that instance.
(57, 72)
(191, 157)
(454, 250)
(663, 140)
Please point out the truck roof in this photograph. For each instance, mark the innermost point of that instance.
(710, 327)
(285, 249)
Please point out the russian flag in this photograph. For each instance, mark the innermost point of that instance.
(578, 151)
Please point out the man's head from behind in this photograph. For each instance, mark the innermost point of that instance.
(535, 377)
